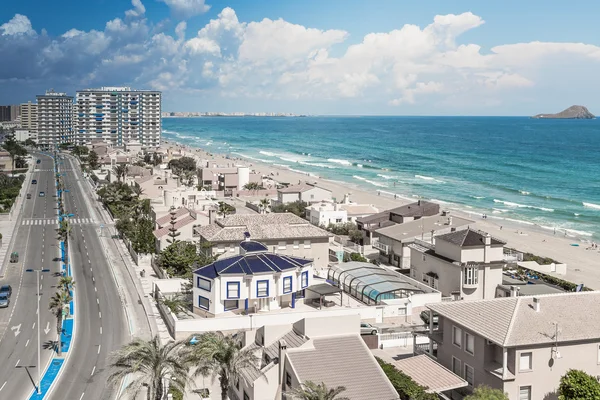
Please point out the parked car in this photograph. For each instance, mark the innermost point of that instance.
(6, 289)
(368, 329)
(28, 196)
(42, 194)
(34, 181)
(4, 301)
(425, 317)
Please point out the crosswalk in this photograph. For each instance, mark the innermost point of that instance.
(54, 221)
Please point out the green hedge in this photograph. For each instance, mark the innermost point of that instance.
(406, 387)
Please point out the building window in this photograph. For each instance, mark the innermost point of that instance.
(204, 284)
(413, 272)
(287, 284)
(471, 274)
(262, 288)
(469, 374)
(525, 393)
(233, 290)
(231, 305)
(424, 257)
(457, 336)
(304, 279)
(456, 366)
(338, 220)
(281, 246)
(203, 302)
(307, 244)
(246, 397)
(288, 379)
(296, 244)
(525, 361)
(469, 343)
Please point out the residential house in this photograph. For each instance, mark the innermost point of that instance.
(189, 197)
(305, 192)
(520, 345)
(326, 213)
(282, 233)
(228, 179)
(513, 286)
(325, 350)
(254, 280)
(465, 264)
(179, 222)
(406, 213)
(393, 241)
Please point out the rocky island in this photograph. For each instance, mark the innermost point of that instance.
(573, 112)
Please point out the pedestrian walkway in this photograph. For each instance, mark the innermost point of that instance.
(54, 221)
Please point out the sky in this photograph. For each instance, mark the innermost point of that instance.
(334, 57)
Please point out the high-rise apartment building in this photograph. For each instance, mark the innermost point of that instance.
(4, 113)
(29, 117)
(118, 115)
(55, 118)
(15, 112)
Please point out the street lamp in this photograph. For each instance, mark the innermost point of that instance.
(37, 272)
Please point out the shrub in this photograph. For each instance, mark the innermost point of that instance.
(406, 387)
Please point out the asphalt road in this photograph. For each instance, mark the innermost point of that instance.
(37, 246)
(101, 325)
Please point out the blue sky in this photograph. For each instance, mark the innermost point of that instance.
(319, 57)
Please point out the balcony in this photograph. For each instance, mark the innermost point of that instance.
(381, 247)
(437, 336)
(495, 368)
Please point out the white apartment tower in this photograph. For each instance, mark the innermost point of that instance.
(118, 115)
(29, 117)
(55, 118)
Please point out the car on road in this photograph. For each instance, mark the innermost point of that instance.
(34, 182)
(42, 194)
(6, 289)
(425, 317)
(28, 196)
(14, 257)
(368, 329)
(39, 161)
(4, 301)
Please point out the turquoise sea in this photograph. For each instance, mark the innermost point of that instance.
(542, 172)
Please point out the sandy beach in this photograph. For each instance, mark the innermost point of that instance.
(581, 263)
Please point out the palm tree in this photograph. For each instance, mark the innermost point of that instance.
(67, 283)
(176, 303)
(222, 356)
(137, 190)
(264, 203)
(121, 171)
(225, 209)
(151, 366)
(57, 305)
(312, 391)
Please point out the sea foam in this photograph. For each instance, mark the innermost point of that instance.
(592, 205)
(343, 162)
(511, 204)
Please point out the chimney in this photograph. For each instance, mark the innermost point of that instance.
(211, 216)
(347, 198)
(487, 241)
(513, 291)
(282, 355)
(536, 304)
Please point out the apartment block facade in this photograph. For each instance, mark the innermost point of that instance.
(55, 118)
(29, 117)
(118, 115)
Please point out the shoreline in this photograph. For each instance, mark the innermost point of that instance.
(523, 236)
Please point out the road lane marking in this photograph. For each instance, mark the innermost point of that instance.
(98, 301)
(101, 330)
(81, 395)
(4, 384)
(95, 289)
(33, 327)
(18, 361)
(27, 344)
(99, 347)
(99, 314)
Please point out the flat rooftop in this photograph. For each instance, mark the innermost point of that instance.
(412, 229)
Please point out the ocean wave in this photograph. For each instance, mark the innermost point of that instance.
(252, 158)
(429, 178)
(591, 205)
(511, 204)
(360, 178)
(317, 165)
(359, 165)
(302, 172)
(524, 193)
(267, 153)
(499, 210)
(343, 162)
(387, 176)
(576, 214)
(478, 197)
(294, 160)
(168, 132)
(440, 201)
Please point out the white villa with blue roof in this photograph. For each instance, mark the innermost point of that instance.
(253, 281)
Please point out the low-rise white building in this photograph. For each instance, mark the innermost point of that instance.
(305, 192)
(326, 212)
(255, 280)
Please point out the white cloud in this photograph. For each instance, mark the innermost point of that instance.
(19, 24)
(187, 8)
(276, 61)
(138, 9)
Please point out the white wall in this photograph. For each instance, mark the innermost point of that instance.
(315, 194)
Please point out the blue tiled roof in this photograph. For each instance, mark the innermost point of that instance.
(253, 263)
(252, 246)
